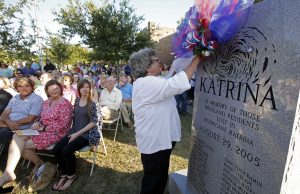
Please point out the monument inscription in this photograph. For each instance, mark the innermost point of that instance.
(245, 109)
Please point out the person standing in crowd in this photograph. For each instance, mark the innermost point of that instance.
(40, 90)
(127, 69)
(192, 90)
(109, 70)
(110, 99)
(69, 91)
(4, 96)
(182, 103)
(5, 71)
(49, 67)
(54, 124)
(157, 123)
(21, 111)
(126, 90)
(86, 129)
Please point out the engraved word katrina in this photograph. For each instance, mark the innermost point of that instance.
(238, 70)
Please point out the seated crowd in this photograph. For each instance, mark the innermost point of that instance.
(66, 108)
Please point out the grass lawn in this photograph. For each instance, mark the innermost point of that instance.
(118, 172)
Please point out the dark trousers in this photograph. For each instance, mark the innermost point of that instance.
(181, 100)
(5, 135)
(156, 168)
(191, 93)
(64, 153)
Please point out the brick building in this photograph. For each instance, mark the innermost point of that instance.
(162, 37)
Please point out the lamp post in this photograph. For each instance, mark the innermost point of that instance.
(36, 34)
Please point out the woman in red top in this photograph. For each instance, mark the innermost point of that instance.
(54, 124)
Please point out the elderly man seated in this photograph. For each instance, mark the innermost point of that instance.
(110, 99)
(21, 111)
(126, 90)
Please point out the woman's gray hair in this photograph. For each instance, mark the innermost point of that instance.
(140, 61)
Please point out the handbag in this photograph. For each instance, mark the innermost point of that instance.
(42, 177)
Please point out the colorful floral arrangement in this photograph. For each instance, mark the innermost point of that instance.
(208, 24)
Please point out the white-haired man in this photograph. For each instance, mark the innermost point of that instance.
(110, 99)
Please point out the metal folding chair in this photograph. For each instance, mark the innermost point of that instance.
(87, 149)
(102, 141)
(90, 148)
(115, 121)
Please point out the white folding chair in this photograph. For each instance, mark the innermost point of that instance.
(102, 141)
(115, 121)
(90, 149)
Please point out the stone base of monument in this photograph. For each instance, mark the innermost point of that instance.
(178, 182)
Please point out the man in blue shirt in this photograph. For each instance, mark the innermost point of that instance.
(27, 70)
(126, 90)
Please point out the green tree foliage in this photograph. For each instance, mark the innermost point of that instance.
(78, 54)
(14, 42)
(62, 53)
(58, 51)
(110, 30)
(142, 40)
